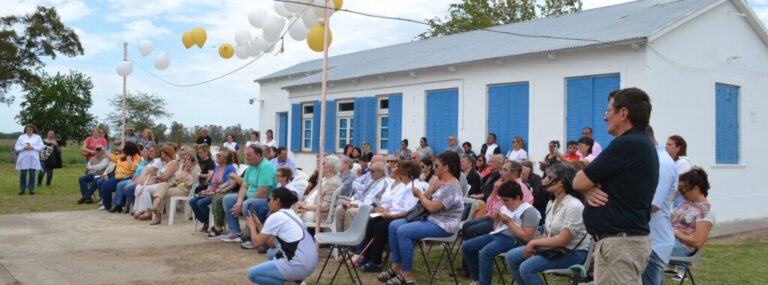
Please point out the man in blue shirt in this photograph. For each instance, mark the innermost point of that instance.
(662, 235)
(282, 159)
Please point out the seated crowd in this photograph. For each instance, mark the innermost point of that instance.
(517, 213)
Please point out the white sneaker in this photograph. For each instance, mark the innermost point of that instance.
(474, 283)
(102, 208)
(231, 238)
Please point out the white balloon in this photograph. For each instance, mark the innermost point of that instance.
(256, 17)
(241, 52)
(162, 61)
(124, 68)
(273, 27)
(319, 8)
(145, 47)
(298, 31)
(252, 49)
(309, 18)
(261, 44)
(281, 10)
(242, 36)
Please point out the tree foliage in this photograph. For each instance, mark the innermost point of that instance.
(24, 40)
(59, 102)
(471, 15)
(142, 110)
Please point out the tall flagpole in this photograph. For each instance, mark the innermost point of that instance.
(323, 94)
(125, 93)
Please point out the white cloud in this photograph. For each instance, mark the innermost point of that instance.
(73, 10)
(68, 10)
(94, 44)
(142, 29)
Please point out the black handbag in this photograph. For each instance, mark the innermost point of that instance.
(417, 213)
(556, 252)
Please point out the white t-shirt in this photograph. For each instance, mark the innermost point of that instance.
(272, 143)
(231, 146)
(280, 225)
(249, 143)
(683, 165)
(517, 155)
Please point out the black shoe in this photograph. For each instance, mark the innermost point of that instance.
(116, 209)
(21, 193)
(31, 193)
(461, 273)
(81, 201)
(88, 201)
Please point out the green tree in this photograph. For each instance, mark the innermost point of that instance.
(142, 109)
(178, 133)
(59, 102)
(24, 40)
(471, 15)
(160, 132)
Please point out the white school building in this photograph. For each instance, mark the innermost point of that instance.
(704, 64)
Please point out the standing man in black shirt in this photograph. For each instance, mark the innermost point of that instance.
(490, 147)
(619, 186)
(204, 138)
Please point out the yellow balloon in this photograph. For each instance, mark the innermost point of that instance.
(337, 4)
(186, 39)
(226, 51)
(315, 38)
(199, 36)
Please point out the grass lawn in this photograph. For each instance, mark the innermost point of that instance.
(743, 262)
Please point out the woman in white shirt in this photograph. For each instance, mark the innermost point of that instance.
(270, 142)
(164, 173)
(293, 256)
(585, 149)
(395, 202)
(564, 228)
(254, 139)
(677, 149)
(28, 146)
(517, 153)
(231, 144)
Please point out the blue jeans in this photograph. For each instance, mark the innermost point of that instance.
(259, 207)
(124, 193)
(87, 185)
(526, 271)
(480, 252)
(106, 190)
(201, 206)
(27, 182)
(266, 273)
(48, 172)
(402, 235)
(654, 272)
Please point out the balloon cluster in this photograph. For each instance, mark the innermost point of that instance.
(162, 61)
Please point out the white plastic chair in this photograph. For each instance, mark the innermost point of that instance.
(343, 240)
(446, 244)
(329, 222)
(171, 207)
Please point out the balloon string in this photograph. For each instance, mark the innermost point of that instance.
(282, 39)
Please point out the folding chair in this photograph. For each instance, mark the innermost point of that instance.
(445, 243)
(574, 271)
(499, 268)
(342, 241)
(687, 262)
(471, 202)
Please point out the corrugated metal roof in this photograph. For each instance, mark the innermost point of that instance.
(633, 20)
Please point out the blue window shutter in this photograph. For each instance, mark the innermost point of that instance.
(296, 128)
(282, 127)
(442, 117)
(579, 106)
(330, 126)
(357, 121)
(369, 122)
(395, 122)
(316, 127)
(508, 113)
(727, 124)
(603, 85)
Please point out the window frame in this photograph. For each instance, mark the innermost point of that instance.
(349, 116)
(380, 114)
(307, 117)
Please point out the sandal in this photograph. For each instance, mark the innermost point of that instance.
(400, 280)
(213, 233)
(384, 276)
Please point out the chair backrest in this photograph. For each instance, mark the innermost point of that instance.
(241, 169)
(466, 191)
(360, 222)
(332, 208)
(192, 190)
(471, 202)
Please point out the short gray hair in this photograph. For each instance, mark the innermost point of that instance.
(380, 167)
(333, 162)
(346, 160)
(499, 158)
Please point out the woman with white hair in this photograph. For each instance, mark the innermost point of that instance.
(330, 182)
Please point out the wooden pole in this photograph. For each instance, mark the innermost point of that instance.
(125, 93)
(321, 135)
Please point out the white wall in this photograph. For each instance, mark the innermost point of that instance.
(683, 72)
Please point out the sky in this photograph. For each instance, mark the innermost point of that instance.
(104, 25)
